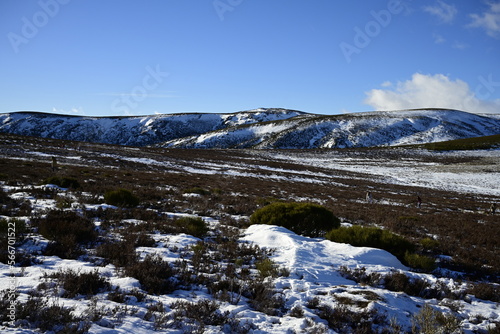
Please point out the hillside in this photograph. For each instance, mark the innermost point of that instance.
(350, 130)
(260, 128)
(101, 268)
(131, 130)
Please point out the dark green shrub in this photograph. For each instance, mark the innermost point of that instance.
(154, 274)
(76, 283)
(194, 317)
(422, 262)
(194, 226)
(302, 218)
(372, 237)
(119, 253)
(197, 190)
(63, 182)
(67, 232)
(38, 313)
(61, 225)
(121, 198)
(429, 244)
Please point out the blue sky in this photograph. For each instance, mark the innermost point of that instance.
(91, 57)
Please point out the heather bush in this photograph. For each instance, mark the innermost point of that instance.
(194, 226)
(121, 198)
(67, 231)
(76, 283)
(154, 274)
(302, 218)
(421, 262)
(194, 317)
(372, 237)
(60, 224)
(63, 182)
(36, 312)
(430, 321)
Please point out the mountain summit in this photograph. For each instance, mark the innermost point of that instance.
(264, 128)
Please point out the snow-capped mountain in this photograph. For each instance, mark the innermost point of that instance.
(260, 128)
(349, 130)
(132, 130)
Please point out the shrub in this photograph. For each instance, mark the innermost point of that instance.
(76, 283)
(194, 226)
(121, 198)
(372, 237)
(302, 218)
(197, 190)
(264, 298)
(430, 321)
(154, 274)
(120, 253)
(417, 261)
(267, 268)
(485, 291)
(429, 244)
(194, 317)
(37, 313)
(67, 230)
(63, 182)
(60, 224)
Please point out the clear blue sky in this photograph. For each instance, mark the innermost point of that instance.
(110, 57)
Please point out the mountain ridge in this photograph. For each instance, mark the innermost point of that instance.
(262, 128)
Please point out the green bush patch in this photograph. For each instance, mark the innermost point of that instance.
(372, 237)
(307, 219)
(121, 198)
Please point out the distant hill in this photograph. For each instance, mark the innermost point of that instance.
(266, 128)
(349, 130)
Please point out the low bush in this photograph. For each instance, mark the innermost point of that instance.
(122, 198)
(485, 291)
(194, 317)
(38, 313)
(430, 321)
(58, 225)
(263, 297)
(67, 231)
(194, 226)
(119, 253)
(421, 262)
(302, 218)
(86, 284)
(63, 182)
(154, 274)
(372, 237)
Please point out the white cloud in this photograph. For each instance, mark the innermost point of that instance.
(386, 84)
(446, 13)
(489, 20)
(73, 110)
(435, 91)
(438, 39)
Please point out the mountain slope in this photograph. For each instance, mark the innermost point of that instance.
(349, 130)
(260, 128)
(131, 130)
